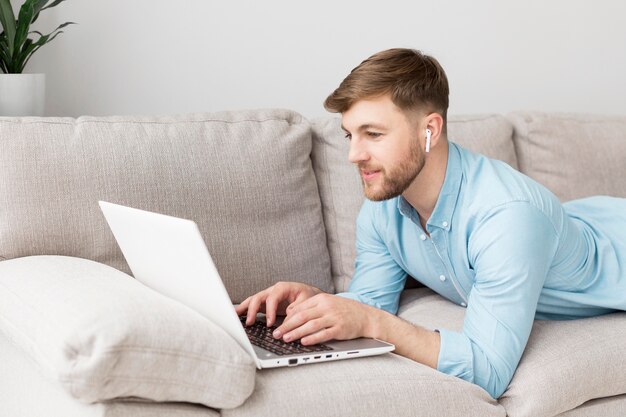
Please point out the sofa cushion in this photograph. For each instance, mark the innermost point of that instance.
(341, 189)
(488, 134)
(244, 177)
(102, 335)
(574, 155)
(565, 364)
(25, 392)
(387, 385)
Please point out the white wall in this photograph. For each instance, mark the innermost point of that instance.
(167, 56)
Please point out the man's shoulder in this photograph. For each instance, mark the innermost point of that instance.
(492, 186)
(488, 183)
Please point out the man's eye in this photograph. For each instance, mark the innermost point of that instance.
(348, 136)
(373, 134)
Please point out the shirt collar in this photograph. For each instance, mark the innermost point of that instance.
(441, 216)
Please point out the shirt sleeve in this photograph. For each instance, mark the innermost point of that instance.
(511, 250)
(378, 280)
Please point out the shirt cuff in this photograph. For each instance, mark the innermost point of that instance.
(455, 355)
(359, 298)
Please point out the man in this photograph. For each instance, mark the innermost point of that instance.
(473, 229)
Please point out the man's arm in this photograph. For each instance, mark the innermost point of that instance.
(511, 251)
(325, 317)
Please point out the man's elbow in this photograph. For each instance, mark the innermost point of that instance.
(498, 381)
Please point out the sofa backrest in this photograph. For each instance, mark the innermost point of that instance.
(574, 155)
(341, 188)
(245, 177)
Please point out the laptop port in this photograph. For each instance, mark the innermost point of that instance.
(317, 357)
(329, 356)
(293, 361)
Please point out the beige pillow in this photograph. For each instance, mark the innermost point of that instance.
(102, 335)
(488, 134)
(244, 177)
(574, 155)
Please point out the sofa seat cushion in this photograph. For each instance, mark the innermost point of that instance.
(102, 335)
(565, 364)
(341, 189)
(245, 177)
(387, 385)
(574, 155)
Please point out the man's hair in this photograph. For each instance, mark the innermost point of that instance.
(414, 81)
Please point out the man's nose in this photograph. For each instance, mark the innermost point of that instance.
(357, 153)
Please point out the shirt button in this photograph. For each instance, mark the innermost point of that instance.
(423, 236)
(464, 305)
(442, 277)
(444, 224)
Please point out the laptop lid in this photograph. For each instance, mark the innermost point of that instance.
(169, 255)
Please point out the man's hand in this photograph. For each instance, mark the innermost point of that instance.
(325, 317)
(279, 299)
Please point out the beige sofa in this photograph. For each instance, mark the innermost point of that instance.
(275, 199)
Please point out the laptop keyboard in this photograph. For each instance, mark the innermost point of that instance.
(261, 335)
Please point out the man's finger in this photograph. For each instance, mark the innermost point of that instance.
(301, 305)
(294, 321)
(322, 336)
(271, 305)
(241, 308)
(253, 308)
(308, 328)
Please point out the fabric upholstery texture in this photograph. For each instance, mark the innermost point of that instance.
(574, 155)
(567, 363)
(564, 364)
(103, 335)
(341, 192)
(604, 407)
(387, 385)
(489, 134)
(341, 189)
(245, 177)
(26, 392)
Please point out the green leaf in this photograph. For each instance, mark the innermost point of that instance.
(40, 4)
(7, 19)
(54, 3)
(36, 47)
(23, 23)
(16, 48)
(4, 53)
(32, 46)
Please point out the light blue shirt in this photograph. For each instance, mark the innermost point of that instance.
(501, 245)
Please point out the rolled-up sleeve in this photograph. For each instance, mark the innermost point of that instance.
(378, 280)
(511, 249)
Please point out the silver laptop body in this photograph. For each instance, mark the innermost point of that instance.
(169, 255)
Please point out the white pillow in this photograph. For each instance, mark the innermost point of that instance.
(103, 335)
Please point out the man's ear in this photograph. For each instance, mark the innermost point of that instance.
(434, 123)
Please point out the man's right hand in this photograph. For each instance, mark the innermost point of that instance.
(278, 299)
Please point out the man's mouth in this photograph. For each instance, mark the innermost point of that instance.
(369, 175)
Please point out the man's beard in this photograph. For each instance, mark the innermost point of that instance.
(399, 178)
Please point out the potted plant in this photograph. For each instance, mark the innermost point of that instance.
(22, 94)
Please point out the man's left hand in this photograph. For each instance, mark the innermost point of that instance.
(324, 317)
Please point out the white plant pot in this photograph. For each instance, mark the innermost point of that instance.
(22, 94)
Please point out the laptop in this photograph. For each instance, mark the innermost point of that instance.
(169, 255)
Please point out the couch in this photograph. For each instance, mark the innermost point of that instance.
(275, 200)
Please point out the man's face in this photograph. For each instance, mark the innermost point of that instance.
(384, 146)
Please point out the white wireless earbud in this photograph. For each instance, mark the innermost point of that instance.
(428, 140)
